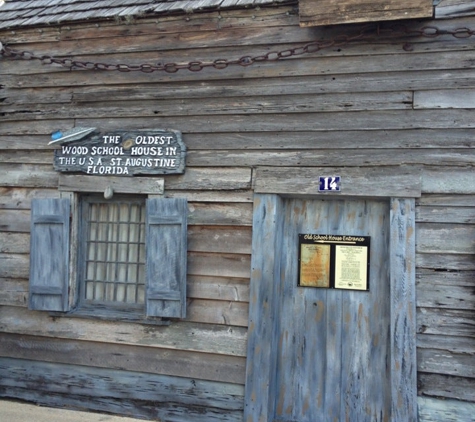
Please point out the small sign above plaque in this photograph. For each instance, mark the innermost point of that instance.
(334, 261)
(122, 153)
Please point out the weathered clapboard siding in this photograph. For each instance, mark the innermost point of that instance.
(431, 410)
(206, 338)
(206, 366)
(445, 298)
(367, 104)
(126, 392)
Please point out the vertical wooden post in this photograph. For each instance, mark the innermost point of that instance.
(403, 311)
(263, 324)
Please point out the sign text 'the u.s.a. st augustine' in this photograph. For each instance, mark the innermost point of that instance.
(122, 153)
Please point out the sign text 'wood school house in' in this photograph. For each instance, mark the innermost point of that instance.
(123, 153)
(239, 210)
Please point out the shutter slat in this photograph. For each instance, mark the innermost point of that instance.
(49, 254)
(166, 248)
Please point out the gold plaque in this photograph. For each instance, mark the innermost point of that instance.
(314, 265)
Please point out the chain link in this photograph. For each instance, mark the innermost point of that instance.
(367, 32)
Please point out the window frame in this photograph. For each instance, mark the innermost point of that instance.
(156, 310)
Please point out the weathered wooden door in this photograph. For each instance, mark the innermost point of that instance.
(332, 360)
(324, 355)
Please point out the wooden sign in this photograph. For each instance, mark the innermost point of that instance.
(334, 261)
(122, 153)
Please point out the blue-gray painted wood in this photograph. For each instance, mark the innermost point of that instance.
(166, 257)
(334, 351)
(403, 310)
(334, 344)
(49, 254)
(137, 394)
(263, 321)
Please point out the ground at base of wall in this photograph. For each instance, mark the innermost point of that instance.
(17, 411)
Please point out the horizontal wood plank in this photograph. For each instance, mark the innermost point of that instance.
(15, 220)
(442, 362)
(28, 176)
(217, 265)
(34, 176)
(333, 158)
(461, 345)
(220, 105)
(220, 214)
(446, 322)
(449, 201)
(13, 292)
(431, 295)
(446, 98)
(435, 410)
(129, 393)
(18, 198)
(218, 312)
(318, 85)
(440, 180)
(445, 214)
(445, 238)
(444, 262)
(11, 242)
(398, 181)
(446, 277)
(202, 366)
(207, 338)
(327, 12)
(218, 288)
(446, 386)
(14, 266)
(219, 239)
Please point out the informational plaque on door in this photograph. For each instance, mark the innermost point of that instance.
(334, 261)
(314, 265)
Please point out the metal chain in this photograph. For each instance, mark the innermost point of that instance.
(367, 32)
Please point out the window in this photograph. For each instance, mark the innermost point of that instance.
(130, 263)
(114, 251)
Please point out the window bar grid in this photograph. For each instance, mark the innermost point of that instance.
(117, 253)
(110, 251)
(137, 269)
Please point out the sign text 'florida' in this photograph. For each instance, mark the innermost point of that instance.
(123, 153)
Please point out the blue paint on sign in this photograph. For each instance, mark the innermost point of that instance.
(329, 184)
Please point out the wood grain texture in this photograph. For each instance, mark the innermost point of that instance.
(398, 181)
(137, 394)
(328, 12)
(433, 410)
(207, 338)
(49, 255)
(403, 310)
(205, 366)
(448, 387)
(166, 257)
(262, 338)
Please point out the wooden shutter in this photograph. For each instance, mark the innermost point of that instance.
(49, 254)
(166, 248)
(332, 12)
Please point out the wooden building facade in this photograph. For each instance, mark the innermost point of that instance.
(361, 128)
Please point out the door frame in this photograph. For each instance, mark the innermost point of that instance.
(268, 223)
